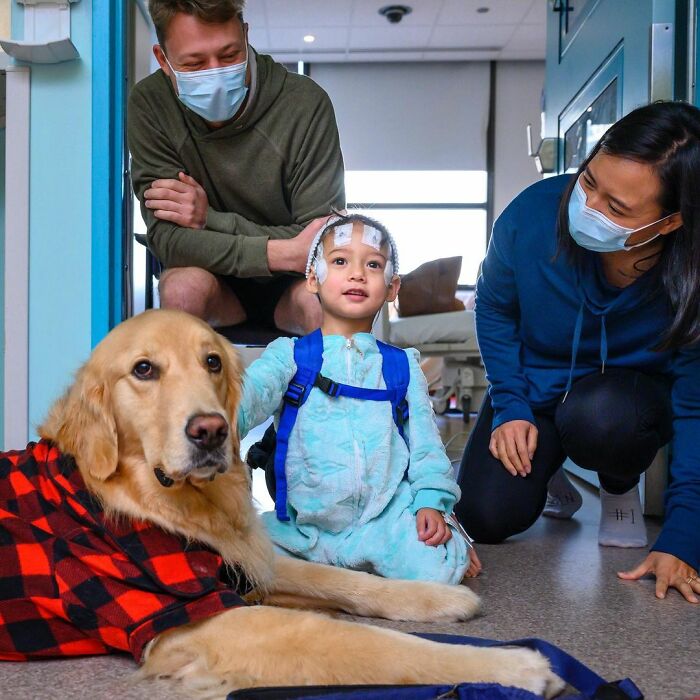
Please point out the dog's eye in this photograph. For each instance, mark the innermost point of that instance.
(143, 369)
(214, 363)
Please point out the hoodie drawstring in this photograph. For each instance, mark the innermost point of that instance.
(575, 343)
(574, 350)
(603, 345)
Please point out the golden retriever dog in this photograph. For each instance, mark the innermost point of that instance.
(151, 423)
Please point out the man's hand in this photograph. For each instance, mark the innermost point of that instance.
(432, 528)
(290, 255)
(514, 443)
(670, 572)
(183, 201)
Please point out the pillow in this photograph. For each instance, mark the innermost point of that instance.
(430, 288)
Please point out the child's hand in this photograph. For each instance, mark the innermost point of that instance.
(432, 528)
(474, 564)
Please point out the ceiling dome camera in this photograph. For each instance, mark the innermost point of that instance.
(395, 13)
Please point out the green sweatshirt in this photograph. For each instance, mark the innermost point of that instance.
(266, 174)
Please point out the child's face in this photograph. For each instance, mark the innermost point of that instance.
(355, 287)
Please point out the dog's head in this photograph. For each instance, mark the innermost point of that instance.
(162, 389)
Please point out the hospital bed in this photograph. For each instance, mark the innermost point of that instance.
(450, 336)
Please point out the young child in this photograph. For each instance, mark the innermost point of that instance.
(358, 494)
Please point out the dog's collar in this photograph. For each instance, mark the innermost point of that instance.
(167, 481)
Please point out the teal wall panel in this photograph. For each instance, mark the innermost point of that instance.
(609, 24)
(60, 219)
(604, 29)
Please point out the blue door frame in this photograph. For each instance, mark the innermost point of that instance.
(109, 183)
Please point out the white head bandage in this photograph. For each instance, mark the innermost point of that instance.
(343, 237)
(372, 237)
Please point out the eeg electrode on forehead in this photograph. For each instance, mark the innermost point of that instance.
(342, 236)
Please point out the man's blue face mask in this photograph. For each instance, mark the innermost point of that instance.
(216, 94)
(594, 231)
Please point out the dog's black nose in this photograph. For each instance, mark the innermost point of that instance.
(207, 431)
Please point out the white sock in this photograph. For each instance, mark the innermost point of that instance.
(621, 520)
(563, 500)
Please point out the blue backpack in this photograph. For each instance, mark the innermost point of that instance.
(308, 357)
(586, 684)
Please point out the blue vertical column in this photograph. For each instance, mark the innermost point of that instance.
(2, 278)
(109, 78)
(696, 92)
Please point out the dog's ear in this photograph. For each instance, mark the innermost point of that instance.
(234, 374)
(82, 424)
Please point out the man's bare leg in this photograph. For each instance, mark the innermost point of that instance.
(201, 294)
(298, 311)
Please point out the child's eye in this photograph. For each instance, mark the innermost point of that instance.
(374, 264)
(339, 261)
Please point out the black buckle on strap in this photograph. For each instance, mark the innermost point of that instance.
(402, 413)
(327, 386)
(294, 394)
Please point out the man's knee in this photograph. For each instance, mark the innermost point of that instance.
(187, 289)
(311, 312)
(298, 311)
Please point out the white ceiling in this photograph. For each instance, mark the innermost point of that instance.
(436, 30)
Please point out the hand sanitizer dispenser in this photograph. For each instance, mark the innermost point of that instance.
(46, 33)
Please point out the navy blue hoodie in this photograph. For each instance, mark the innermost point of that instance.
(543, 323)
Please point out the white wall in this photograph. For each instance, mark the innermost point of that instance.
(446, 107)
(518, 102)
(409, 116)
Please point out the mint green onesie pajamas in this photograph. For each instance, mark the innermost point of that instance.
(350, 499)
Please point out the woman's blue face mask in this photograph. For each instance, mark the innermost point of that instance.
(594, 231)
(216, 94)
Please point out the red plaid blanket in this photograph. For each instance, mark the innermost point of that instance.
(73, 582)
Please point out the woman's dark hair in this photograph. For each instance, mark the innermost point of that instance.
(665, 136)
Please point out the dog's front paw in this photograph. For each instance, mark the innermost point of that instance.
(420, 601)
(455, 603)
(530, 670)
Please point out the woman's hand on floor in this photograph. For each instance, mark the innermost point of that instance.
(670, 572)
(514, 444)
(431, 526)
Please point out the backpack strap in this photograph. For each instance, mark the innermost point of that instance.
(396, 377)
(308, 357)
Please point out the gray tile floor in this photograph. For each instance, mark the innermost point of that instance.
(553, 582)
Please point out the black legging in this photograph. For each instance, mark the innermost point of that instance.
(612, 423)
